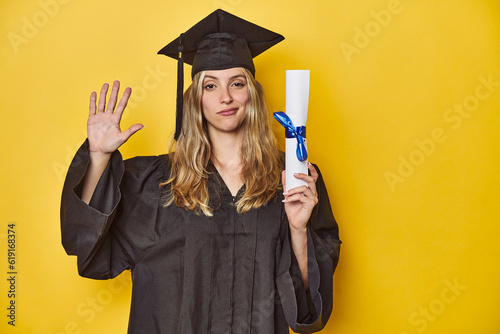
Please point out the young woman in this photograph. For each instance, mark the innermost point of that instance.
(213, 243)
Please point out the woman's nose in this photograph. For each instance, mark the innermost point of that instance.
(225, 96)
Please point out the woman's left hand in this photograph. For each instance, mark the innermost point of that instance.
(300, 201)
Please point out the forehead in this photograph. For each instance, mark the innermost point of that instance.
(225, 74)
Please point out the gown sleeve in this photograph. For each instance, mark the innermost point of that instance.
(116, 229)
(308, 311)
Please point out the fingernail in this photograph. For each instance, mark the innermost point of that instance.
(286, 192)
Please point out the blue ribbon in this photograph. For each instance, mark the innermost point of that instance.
(291, 131)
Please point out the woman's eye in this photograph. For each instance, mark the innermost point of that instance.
(209, 86)
(239, 84)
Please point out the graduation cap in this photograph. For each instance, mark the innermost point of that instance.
(219, 41)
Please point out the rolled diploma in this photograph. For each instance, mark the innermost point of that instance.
(297, 101)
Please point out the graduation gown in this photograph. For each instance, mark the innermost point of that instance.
(230, 273)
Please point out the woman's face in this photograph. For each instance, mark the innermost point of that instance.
(224, 100)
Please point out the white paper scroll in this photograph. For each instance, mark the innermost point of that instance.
(297, 101)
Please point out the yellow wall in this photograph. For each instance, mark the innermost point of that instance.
(403, 123)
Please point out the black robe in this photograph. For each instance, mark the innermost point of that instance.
(230, 273)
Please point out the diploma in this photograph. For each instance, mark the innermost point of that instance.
(294, 121)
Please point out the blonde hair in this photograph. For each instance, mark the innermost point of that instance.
(261, 162)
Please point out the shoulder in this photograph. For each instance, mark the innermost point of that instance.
(165, 164)
(156, 168)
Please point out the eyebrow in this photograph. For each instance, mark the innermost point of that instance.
(231, 78)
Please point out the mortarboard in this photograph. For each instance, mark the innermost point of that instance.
(219, 41)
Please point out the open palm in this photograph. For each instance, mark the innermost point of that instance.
(103, 125)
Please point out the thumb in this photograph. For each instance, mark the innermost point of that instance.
(131, 130)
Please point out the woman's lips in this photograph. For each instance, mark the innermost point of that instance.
(228, 112)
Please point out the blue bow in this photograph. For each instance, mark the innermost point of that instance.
(291, 131)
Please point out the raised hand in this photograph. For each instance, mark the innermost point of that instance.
(103, 125)
(104, 134)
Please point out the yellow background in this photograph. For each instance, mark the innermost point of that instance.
(414, 184)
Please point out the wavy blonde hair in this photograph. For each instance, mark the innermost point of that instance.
(190, 156)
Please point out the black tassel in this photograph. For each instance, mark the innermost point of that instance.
(180, 91)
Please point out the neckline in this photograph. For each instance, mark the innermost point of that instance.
(226, 192)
